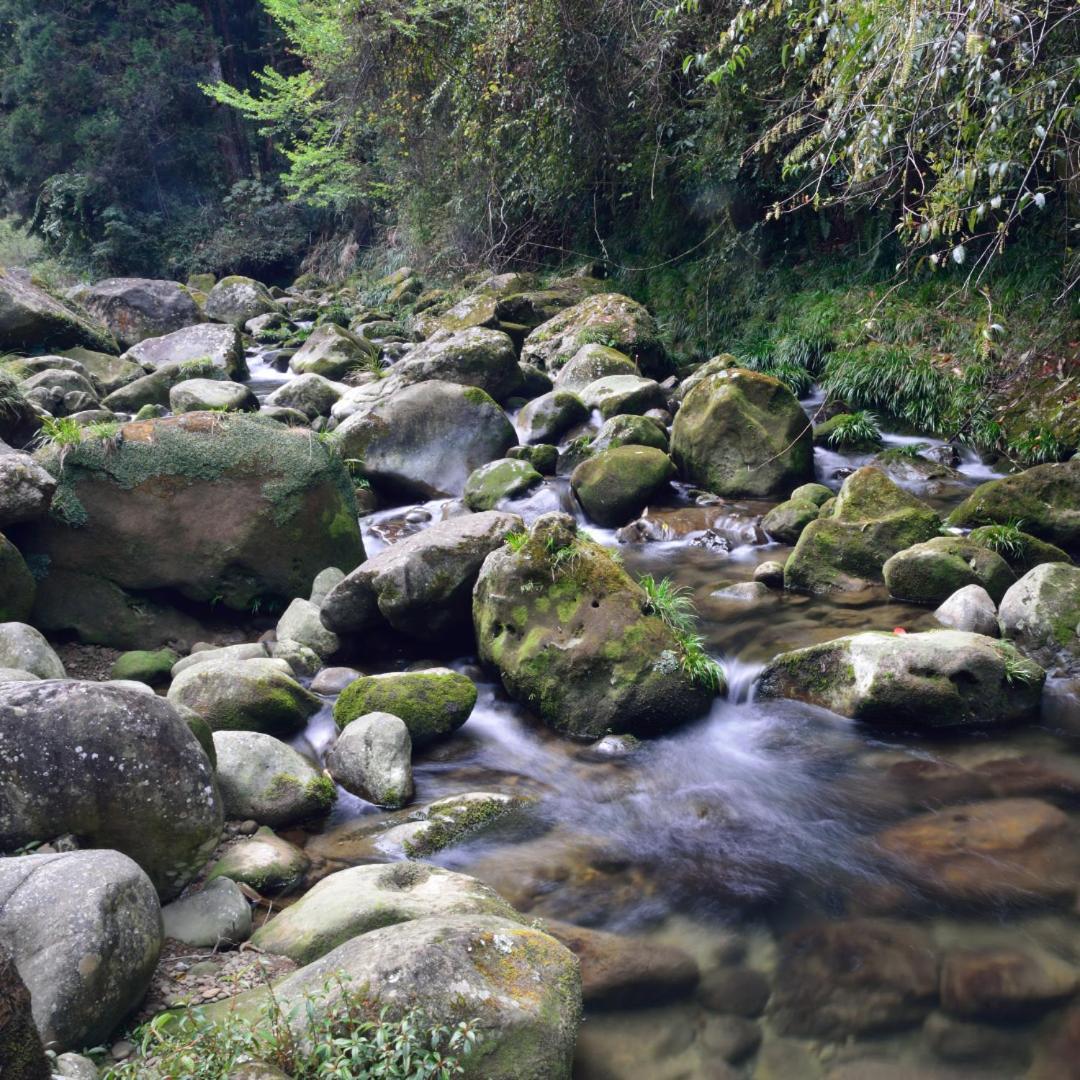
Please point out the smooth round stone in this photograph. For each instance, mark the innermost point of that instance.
(217, 915)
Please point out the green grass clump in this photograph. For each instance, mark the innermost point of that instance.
(13, 403)
(1007, 540)
(672, 604)
(854, 429)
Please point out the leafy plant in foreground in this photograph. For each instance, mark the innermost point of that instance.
(672, 604)
(855, 429)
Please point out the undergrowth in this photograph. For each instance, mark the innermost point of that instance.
(672, 604)
(854, 429)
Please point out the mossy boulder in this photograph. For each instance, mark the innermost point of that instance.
(152, 391)
(742, 433)
(1046, 499)
(32, 318)
(507, 478)
(252, 695)
(548, 417)
(137, 308)
(217, 395)
(222, 346)
(785, 522)
(936, 679)
(111, 372)
(142, 665)
(592, 362)
(332, 351)
(265, 862)
(630, 430)
(433, 703)
(615, 485)
(931, 572)
(1041, 614)
(364, 898)
(236, 299)
(217, 508)
(313, 395)
(1021, 550)
(713, 366)
(440, 824)
(17, 585)
(919, 473)
(471, 357)
(568, 631)
(818, 494)
(846, 547)
(543, 457)
(620, 395)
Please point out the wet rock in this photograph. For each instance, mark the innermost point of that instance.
(426, 440)
(491, 484)
(620, 395)
(742, 592)
(818, 494)
(770, 573)
(630, 430)
(32, 318)
(837, 979)
(846, 548)
(1004, 983)
(567, 629)
(85, 930)
(547, 418)
(311, 394)
(20, 1046)
(372, 758)
(1058, 1055)
(237, 300)
(620, 972)
(253, 695)
(785, 1059)
(332, 680)
(301, 623)
(786, 521)
(360, 899)
(929, 573)
(1041, 614)
(592, 362)
(740, 991)
(117, 767)
(617, 484)
(475, 356)
(265, 862)
(220, 347)
(520, 985)
(941, 678)
(134, 309)
(1006, 851)
(75, 1067)
(446, 822)
(432, 703)
(969, 609)
(23, 647)
(197, 395)
(332, 351)
(263, 779)
(217, 915)
(742, 433)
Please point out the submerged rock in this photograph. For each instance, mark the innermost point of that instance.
(567, 629)
(85, 931)
(118, 768)
(931, 572)
(941, 678)
(1004, 984)
(1041, 613)
(742, 433)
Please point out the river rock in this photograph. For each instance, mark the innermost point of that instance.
(134, 309)
(1046, 499)
(592, 362)
(618, 395)
(565, 626)
(855, 977)
(506, 478)
(520, 985)
(262, 779)
(845, 548)
(148, 397)
(1041, 614)
(785, 521)
(548, 417)
(741, 433)
(372, 758)
(23, 647)
(31, 318)
(252, 695)
(18, 589)
(237, 299)
(616, 485)
(936, 679)
(196, 395)
(110, 372)
(360, 899)
(85, 930)
(221, 346)
(426, 440)
(116, 767)
(445, 822)
(20, 1045)
(1006, 851)
(301, 623)
(216, 508)
(265, 862)
(433, 703)
(630, 431)
(608, 319)
(152, 668)
(931, 572)
(217, 915)
(474, 356)
(969, 609)
(26, 489)
(421, 585)
(1004, 984)
(313, 395)
(332, 352)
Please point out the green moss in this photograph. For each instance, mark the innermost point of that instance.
(322, 791)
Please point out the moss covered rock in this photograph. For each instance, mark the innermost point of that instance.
(1041, 614)
(313, 395)
(448, 821)
(220, 395)
(742, 433)
(630, 430)
(433, 703)
(543, 457)
(818, 494)
(937, 679)
(267, 863)
(548, 417)
(592, 362)
(32, 318)
(713, 366)
(786, 521)
(931, 572)
(615, 485)
(832, 432)
(567, 629)
(846, 547)
(222, 346)
(620, 395)
(332, 351)
(219, 509)
(471, 357)
(142, 665)
(1021, 550)
(506, 478)
(236, 299)
(1046, 499)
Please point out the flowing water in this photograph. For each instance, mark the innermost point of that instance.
(725, 836)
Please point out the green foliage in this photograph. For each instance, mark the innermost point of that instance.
(62, 433)
(1007, 540)
(1019, 669)
(517, 541)
(12, 401)
(673, 605)
(338, 1034)
(854, 429)
(1037, 444)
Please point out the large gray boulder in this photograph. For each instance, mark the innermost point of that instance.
(32, 318)
(221, 395)
(937, 679)
(425, 440)
(263, 779)
(372, 758)
(421, 585)
(592, 362)
(237, 299)
(742, 433)
(1041, 614)
(301, 623)
(332, 352)
(475, 356)
(570, 634)
(364, 898)
(931, 572)
(24, 648)
(85, 930)
(137, 308)
(117, 767)
(548, 417)
(221, 345)
(313, 395)
(521, 986)
(20, 1045)
(26, 489)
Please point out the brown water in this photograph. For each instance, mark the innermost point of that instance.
(726, 837)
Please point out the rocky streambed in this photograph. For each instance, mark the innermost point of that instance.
(472, 652)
